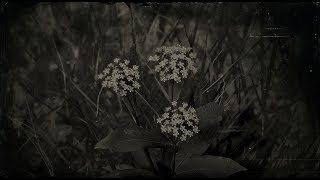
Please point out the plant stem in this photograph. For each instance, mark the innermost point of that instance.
(174, 160)
(172, 90)
(134, 111)
(147, 103)
(98, 98)
(127, 106)
(146, 151)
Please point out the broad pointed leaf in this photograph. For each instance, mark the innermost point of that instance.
(141, 160)
(129, 140)
(209, 114)
(194, 146)
(207, 166)
(129, 173)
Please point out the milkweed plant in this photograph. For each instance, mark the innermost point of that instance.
(175, 127)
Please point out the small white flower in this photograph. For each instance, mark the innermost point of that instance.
(175, 115)
(192, 110)
(174, 56)
(176, 134)
(100, 76)
(184, 105)
(163, 129)
(184, 73)
(195, 129)
(180, 64)
(116, 60)
(122, 65)
(165, 115)
(136, 85)
(192, 55)
(182, 128)
(189, 133)
(106, 71)
(196, 120)
(168, 108)
(104, 84)
(159, 120)
(183, 138)
(154, 58)
(135, 67)
(174, 103)
(122, 93)
(181, 109)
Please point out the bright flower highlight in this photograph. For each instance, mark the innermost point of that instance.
(119, 77)
(180, 121)
(174, 62)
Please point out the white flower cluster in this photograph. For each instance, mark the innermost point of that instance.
(180, 121)
(119, 77)
(174, 62)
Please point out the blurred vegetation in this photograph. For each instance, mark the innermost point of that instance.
(55, 51)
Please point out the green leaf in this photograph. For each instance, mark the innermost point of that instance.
(141, 160)
(129, 173)
(208, 166)
(194, 146)
(124, 167)
(209, 114)
(130, 139)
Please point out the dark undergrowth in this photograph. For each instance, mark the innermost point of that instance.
(56, 50)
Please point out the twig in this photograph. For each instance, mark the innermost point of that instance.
(214, 60)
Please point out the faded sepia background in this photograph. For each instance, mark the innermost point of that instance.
(258, 61)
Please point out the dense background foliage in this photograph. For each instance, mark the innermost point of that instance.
(266, 87)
